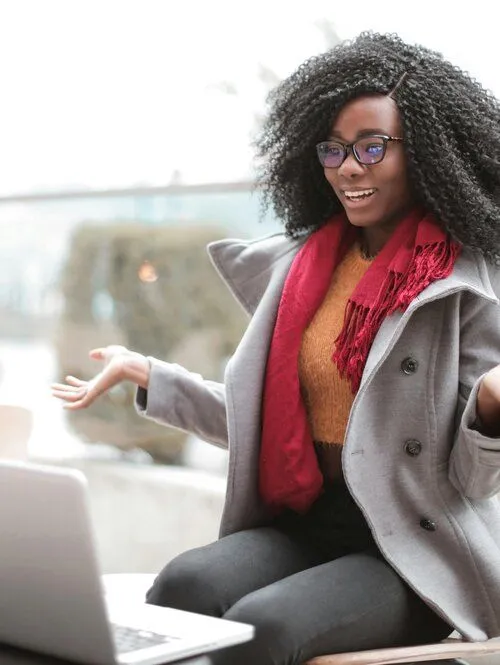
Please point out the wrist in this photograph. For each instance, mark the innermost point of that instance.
(136, 368)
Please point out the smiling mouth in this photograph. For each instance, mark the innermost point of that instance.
(359, 195)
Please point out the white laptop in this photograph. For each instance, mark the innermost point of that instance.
(51, 595)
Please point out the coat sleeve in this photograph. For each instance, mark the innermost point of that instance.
(184, 400)
(475, 459)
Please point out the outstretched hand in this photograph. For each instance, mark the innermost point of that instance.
(120, 364)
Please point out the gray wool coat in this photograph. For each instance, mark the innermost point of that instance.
(424, 478)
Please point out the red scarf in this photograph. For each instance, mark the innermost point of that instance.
(417, 253)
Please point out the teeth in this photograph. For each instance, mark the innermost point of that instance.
(359, 194)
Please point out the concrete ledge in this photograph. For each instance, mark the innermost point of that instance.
(144, 515)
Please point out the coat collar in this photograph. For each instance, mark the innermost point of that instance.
(247, 267)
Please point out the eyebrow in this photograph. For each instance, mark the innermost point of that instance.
(364, 132)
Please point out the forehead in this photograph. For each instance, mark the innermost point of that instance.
(369, 112)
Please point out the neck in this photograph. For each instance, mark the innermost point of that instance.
(373, 238)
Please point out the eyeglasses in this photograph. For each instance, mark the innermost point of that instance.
(367, 150)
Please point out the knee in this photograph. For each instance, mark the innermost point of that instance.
(184, 584)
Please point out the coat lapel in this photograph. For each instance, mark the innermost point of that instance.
(244, 378)
(469, 274)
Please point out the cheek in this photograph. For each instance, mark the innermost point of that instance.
(392, 176)
(331, 177)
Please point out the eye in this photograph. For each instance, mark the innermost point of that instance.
(373, 148)
(370, 150)
(334, 149)
(331, 155)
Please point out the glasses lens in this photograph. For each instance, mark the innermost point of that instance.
(330, 154)
(370, 150)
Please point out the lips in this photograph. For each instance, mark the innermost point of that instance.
(358, 194)
(358, 197)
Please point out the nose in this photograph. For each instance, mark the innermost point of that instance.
(350, 167)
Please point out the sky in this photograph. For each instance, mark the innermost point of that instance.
(111, 93)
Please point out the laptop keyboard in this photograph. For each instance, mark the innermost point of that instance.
(131, 639)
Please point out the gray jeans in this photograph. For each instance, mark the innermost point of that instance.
(311, 585)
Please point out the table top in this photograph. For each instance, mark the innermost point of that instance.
(12, 656)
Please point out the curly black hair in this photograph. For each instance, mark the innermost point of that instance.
(451, 127)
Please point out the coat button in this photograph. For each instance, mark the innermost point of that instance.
(409, 365)
(413, 447)
(427, 524)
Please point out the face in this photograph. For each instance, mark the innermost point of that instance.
(377, 195)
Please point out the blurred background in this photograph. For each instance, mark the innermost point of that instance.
(126, 132)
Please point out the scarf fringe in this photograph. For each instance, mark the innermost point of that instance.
(430, 262)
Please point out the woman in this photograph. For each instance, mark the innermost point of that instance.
(362, 406)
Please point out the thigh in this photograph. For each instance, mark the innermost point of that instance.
(355, 602)
(210, 579)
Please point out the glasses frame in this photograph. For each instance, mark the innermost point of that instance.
(351, 148)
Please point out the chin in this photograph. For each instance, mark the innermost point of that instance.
(362, 218)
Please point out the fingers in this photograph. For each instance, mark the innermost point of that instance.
(73, 381)
(61, 387)
(69, 397)
(74, 397)
(74, 406)
(74, 392)
(106, 352)
(78, 394)
(68, 393)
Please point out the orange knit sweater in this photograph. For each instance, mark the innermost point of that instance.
(327, 396)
